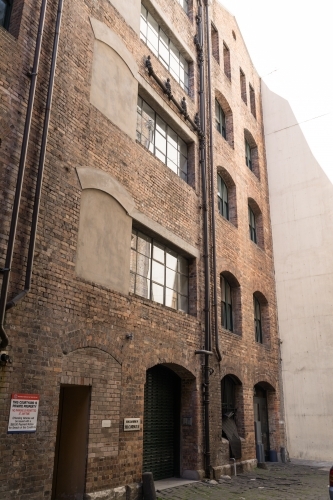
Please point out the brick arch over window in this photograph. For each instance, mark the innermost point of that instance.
(251, 153)
(227, 279)
(232, 197)
(259, 225)
(229, 122)
(264, 317)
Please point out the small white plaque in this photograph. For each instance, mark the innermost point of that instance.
(131, 424)
(106, 423)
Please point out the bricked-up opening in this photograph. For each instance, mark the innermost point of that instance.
(251, 153)
(10, 15)
(232, 409)
(226, 60)
(252, 101)
(261, 319)
(243, 85)
(256, 226)
(231, 306)
(224, 123)
(231, 195)
(215, 43)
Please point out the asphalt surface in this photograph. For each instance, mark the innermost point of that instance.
(280, 481)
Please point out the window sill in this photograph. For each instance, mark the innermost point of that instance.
(233, 334)
(227, 221)
(154, 304)
(267, 347)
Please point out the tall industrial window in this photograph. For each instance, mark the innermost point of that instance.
(184, 4)
(226, 61)
(163, 48)
(248, 155)
(158, 273)
(5, 8)
(226, 297)
(257, 320)
(252, 226)
(243, 85)
(222, 197)
(160, 139)
(252, 101)
(220, 120)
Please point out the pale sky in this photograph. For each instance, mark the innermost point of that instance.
(290, 43)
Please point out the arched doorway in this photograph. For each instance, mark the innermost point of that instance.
(261, 426)
(231, 397)
(161, 424)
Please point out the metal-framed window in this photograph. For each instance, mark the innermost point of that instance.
(158, 273)
(252, 226)
(257, 320)
(160, 139)
(220, 122)
(5, 9)
(184, 4)
(248, 155)
(222, 197)
(163, 48)
(226, 302)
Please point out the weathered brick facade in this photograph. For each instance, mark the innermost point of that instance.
(71, 331)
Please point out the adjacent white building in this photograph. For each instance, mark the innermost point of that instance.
(301, 202)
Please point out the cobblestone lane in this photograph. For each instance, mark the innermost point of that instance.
(279, 481)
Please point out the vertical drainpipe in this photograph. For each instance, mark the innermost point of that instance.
(212, 185)
(19, 183)
(199, 41)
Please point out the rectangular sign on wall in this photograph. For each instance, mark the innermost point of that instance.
(23, 413)
(131, 424)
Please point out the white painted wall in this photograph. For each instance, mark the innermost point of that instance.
(301, 204)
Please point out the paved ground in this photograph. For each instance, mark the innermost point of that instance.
(289, 481)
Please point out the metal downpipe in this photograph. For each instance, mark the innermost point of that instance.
(41, 164)
(20, 176)
(202, 146)
(212, 186)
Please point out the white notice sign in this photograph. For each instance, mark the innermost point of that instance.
(23, 413)
(131, 424)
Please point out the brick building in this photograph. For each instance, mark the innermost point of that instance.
(142, 276)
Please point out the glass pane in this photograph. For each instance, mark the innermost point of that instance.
(170, 279)
(143, 265)
(172, 138)
(183, 164)
(133, 261)
(157, 293)
(223, 289)
(171, 298)
(227, 293)
(171, 260)
(142, 286)
(164, 47)
(158, 272)
(183, 284)
(182, 303)
(160, 155)
(158, 252)
(182, 146)
(172, 154)
(172, 166)
(160, 126)
(182, 265)
(160, 143)
(144, 244)
(152, 35)
(132, 283)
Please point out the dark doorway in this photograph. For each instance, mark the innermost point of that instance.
(261, 419)
(71, 445)
(161, 424)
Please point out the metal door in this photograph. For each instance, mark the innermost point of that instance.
(161, 425)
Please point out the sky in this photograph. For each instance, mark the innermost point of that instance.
(290, 43)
